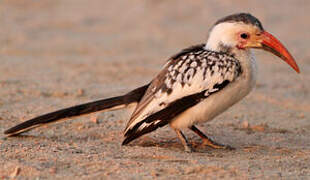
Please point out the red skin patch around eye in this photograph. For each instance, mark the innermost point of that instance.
(242, 42)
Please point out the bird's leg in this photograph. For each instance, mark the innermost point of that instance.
(187, 146)
(208, 141)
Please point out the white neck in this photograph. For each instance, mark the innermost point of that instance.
(222, 39)
(221, 35)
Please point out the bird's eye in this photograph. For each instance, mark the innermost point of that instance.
(244, 35)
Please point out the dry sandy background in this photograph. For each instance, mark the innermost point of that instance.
(58, 53)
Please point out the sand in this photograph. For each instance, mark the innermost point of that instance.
(58, 53)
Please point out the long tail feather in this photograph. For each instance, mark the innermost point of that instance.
(109, 104)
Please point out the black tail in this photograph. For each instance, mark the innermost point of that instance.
(100, 105)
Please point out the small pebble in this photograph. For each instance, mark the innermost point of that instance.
(16, 172)
(245, 124)
(94, 119)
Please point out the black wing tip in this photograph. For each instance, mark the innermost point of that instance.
(126, 141)
(130, 136)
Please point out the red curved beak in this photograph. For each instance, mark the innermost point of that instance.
(273, 45)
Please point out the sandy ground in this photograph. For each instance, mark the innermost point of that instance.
(58, 53)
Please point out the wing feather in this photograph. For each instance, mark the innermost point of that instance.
(163, 117)
(188, 74)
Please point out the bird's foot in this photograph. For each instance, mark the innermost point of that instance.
(215, 145)
(188, 148)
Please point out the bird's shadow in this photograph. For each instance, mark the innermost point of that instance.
(167, 144)
(174, 145)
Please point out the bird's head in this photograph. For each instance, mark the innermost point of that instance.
(243, 31)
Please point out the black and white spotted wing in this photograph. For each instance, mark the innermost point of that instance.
(187, 78)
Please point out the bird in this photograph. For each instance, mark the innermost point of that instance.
(194, 85)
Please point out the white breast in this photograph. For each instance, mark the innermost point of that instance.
(222, 100)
